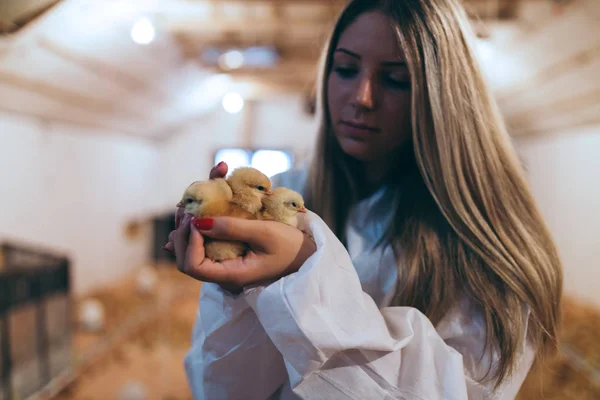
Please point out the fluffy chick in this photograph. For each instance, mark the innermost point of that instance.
(283, 205)
(213, 198)
(249, 187)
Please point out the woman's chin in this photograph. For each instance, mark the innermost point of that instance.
(360, 151)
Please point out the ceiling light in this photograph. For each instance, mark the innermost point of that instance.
(233, 102)
(231, 60)
(143, 31)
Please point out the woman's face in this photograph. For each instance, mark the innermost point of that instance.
(368, 90)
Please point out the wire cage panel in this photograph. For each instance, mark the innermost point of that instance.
(35, 319)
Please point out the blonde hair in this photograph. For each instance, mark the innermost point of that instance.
(467, 223)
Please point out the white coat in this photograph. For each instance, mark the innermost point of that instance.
(328, 331)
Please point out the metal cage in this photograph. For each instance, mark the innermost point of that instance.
(35, 319)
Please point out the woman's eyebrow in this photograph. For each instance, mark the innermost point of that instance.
(346, 51)
(357, 56)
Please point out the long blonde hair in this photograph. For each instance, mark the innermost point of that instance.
(466, 223)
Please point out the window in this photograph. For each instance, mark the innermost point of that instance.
(268, 161)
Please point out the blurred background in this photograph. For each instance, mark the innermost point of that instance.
(110, 108)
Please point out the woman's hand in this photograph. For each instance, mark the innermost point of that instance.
(219, 171)
(276, 250)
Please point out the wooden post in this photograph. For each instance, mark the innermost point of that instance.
(247, 138)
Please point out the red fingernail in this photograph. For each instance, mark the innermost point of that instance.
(219, 164)
(204, 224)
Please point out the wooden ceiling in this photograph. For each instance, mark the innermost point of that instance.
(295, 29)
(78, 64)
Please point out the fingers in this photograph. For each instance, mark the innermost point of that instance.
(257, 234)
(179, 238)
(169, 247)
(219, 171)
(210, 271)
(179, 214)
(194, 254)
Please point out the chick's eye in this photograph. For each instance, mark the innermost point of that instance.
(261, 188)
(189, 201)
(294, 204)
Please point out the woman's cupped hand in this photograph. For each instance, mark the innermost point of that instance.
(276, 249)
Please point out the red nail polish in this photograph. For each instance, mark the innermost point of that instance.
(204, 224)
(219, 164)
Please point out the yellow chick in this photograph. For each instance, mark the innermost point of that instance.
(213, 198)
(249, 187)
(283, 206)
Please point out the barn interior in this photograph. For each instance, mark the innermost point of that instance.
(110, 108)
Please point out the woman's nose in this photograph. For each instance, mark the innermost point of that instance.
(364, 95)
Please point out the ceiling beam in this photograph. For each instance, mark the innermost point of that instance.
(64, 96)
(556, 108)
(492, 10)
(264, 89)
(122, 79)
(14, 23)
(166, 133)
(531, 28)
(4, 47)
(559, 129)
(73, 122)
(341, 3)
(25, 35)
(220, 3)
(550, 73)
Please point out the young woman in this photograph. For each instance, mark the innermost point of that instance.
(432, 275)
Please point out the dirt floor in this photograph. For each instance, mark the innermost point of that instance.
(572, 374)
(151, 354)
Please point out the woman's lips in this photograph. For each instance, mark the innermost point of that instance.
(357, 130)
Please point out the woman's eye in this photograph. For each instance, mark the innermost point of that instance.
(396, 82)
(345, 72)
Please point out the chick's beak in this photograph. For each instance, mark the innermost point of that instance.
(302, 210)
(269, 192)
(180, 204)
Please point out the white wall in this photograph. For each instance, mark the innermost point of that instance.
(278, 123)
(564, 172)
(73, 191)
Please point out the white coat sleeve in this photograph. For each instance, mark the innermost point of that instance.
(231, 356)
(337, 343)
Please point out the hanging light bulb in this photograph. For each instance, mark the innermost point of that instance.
(233, 102)
(143, 31)
(231, 60)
